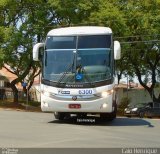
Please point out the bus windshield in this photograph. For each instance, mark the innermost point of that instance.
(89, 56)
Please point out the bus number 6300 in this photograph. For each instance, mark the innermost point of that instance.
(85, 92)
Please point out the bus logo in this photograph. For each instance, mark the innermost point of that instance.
(74, 98)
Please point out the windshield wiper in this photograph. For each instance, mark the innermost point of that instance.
(70, 67)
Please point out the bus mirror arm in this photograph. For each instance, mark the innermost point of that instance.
(36, 51)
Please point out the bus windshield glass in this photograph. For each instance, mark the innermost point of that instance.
(89, 56)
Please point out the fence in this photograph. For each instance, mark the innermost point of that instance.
(6, 94)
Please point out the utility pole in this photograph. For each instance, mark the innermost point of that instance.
(24, 85)
(127, 85)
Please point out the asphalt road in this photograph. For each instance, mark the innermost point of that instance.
(40, 130)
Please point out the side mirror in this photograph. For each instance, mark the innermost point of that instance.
(37, 51)
(117, 50)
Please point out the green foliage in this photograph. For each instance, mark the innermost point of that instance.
(73, 12)
(30, 103)
(142, 52)
(21, 25)
(24, 23)
(109, 15)
(34, 103)
(123, 104)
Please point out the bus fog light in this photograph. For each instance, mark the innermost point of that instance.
(104, 105)
(45, 104)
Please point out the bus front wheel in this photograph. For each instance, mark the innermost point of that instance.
(59, 115)
(108, 116)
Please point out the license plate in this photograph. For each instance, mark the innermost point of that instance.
(128, 111)
(74, 106)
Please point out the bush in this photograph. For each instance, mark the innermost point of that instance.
(123, 104)
(34, 103)
(31, 103)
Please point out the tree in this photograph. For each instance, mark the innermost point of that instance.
(28, 22)
(144, 47)
(73, 12)
(23, 21)
(140, 52)
(20, 63)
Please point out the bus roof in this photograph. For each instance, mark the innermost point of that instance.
(81, 30)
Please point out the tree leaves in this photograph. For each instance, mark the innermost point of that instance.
(134, 23)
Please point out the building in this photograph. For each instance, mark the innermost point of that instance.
(4, 87)
(6, 92)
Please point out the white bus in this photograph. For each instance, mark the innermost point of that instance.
(78, 65)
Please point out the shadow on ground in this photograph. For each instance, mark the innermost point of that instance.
(119, 121)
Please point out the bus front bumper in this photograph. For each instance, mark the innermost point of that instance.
(85, 105)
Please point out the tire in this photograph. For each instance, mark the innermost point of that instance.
(108, 116)
(149, 115)
(141, 114)
(112, 116)
(128, 116)
(59, 115)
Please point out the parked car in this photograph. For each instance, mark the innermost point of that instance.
(151, 109)
(134, 110)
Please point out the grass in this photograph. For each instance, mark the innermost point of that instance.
(30, 103)
(31, 106)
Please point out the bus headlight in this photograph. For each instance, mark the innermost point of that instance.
(106, 93)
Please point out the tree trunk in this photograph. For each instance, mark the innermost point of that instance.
(151, 88)
(152, 95)
(119, 77)
(26, 91)
(17, 80)
(15, 93)
(155, 99)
